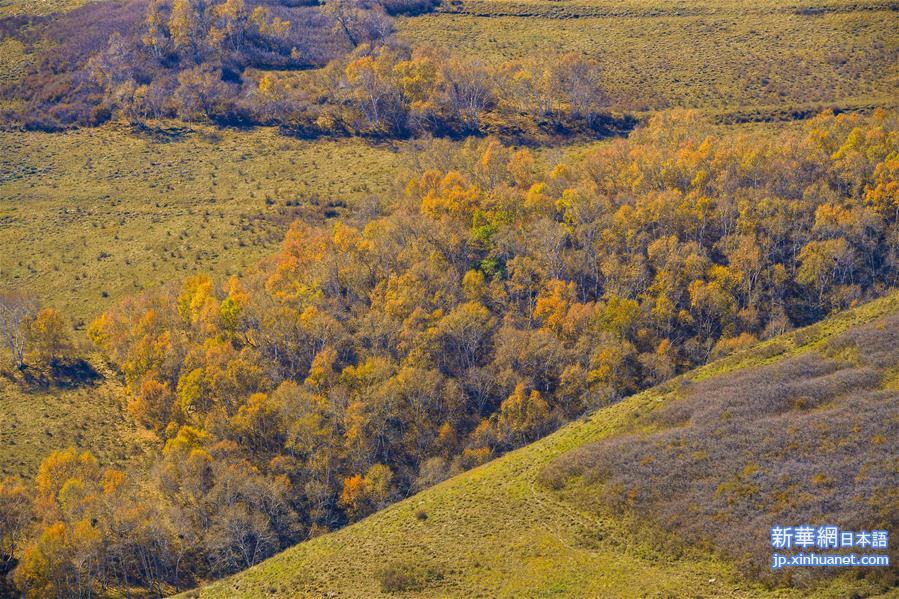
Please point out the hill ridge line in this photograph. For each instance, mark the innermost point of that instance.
(490, 8)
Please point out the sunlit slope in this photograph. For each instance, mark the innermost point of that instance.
(732, 60)
(35, 422)
(92, 215)
(496, 532)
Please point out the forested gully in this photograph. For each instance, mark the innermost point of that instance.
(424, 333)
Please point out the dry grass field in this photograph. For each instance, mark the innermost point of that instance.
(759, 58)
(88, 216)
(91, 215)
(10, 8)
(34, 423)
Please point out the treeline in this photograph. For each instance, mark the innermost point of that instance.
(334, 69)
(385, 90)
(472, 313)
(139, 54)
(392, 91)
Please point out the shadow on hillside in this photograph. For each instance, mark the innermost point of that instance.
(71, 373)
(161, 133)
(7, 565)
(520, 130)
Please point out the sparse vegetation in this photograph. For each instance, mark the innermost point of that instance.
(338, 69)
(802, 439)
(38, 420)
(165, 202)
(404, 577)
(140, 56)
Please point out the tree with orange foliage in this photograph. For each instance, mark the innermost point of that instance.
(363, 495)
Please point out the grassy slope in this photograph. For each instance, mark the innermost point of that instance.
(494, 532)
(32, 424)
(9, 8)
(91, 215)
(723, 57)
(68, 199)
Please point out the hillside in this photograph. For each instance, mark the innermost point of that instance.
(268, 268)
(34, 422)
(90, 216)
(731, 59)
(174, 198)
(84, 228)
(770, 60)
(394, 342)
(499, 531)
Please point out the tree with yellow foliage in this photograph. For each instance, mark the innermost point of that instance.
(523, 417)
(49, 338)
(187, 26)
(363, 495)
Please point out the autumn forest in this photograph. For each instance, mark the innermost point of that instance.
(561, 245)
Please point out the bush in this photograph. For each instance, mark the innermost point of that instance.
(407, 576)
(409, 7)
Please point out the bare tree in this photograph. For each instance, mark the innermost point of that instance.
(359, 20)
(15, 516)
(579, 82)
(16, 311)
(469, 90)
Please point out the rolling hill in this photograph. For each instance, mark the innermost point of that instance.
(516, 527)
(733, 60)
(90, 216)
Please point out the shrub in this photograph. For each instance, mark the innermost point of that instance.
(407, 576)
(409, 7)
